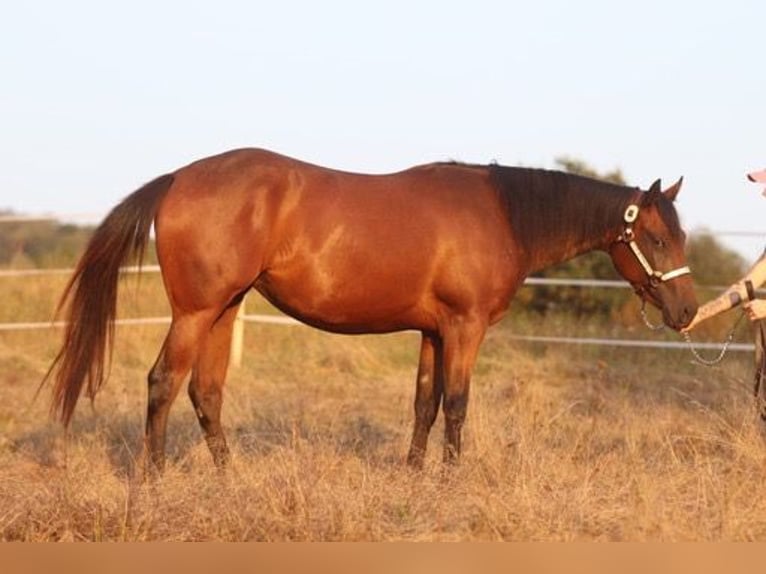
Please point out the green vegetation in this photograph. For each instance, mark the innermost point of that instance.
(40, 244)
(43, 244)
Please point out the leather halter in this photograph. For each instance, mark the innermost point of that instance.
(628, 236)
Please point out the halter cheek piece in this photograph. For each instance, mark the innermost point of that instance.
(628, 236)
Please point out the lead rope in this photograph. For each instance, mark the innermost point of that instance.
(697, 356)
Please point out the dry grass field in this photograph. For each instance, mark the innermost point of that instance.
(561, 442)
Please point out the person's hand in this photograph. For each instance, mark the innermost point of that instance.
(695, 321)
(756, 310)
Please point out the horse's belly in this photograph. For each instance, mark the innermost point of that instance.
(363, 302)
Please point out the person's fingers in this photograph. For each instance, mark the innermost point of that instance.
(690, 326)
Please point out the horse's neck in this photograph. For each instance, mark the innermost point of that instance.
(565, 250)
(592, 224)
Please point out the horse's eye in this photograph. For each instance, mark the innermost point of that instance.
(659, 243)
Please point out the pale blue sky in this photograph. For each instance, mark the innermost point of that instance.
(98, 97)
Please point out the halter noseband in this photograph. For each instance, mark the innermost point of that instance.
(628, 236)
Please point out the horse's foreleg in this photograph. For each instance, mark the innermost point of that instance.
(428, 396)
(206, 385)
(462, 339)
(178, 354)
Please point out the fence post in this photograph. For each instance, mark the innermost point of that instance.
(237, 338)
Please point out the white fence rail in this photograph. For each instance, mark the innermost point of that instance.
(237, 339)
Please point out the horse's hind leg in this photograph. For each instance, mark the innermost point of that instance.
(206, 386)
(461, 346)
(428, 396)
(178, 354)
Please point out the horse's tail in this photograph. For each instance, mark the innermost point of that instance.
(90, 297)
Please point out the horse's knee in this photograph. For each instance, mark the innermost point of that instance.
(205, 396)
(455, 408)
(426, 410)
(160, 389)
(194, 393)
(207, 401)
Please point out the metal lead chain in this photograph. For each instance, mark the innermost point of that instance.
(647, 322)
(712, 362)
(699, 358)
(709, 362)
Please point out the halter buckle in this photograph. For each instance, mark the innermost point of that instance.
(631, 213)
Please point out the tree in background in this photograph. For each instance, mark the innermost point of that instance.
(44, 243)
(713, 264)
(579, 167)
(40, 243)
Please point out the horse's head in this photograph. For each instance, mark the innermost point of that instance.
(649, 253)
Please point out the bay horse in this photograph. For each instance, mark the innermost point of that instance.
(439, 248)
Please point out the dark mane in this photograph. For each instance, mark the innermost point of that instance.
(456, 162)
(545, 206)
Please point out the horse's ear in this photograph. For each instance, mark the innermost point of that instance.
(673, 190)
(654, 192)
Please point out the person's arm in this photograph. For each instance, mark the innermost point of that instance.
(733, 296)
